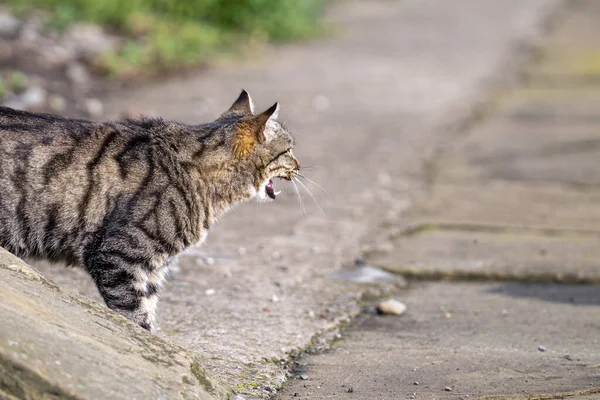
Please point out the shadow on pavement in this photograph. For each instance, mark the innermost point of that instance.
(573, 294)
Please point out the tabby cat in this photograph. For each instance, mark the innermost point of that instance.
(123, 199)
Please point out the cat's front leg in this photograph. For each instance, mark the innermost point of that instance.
(128, 283)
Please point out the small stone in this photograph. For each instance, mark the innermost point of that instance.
(360, 260)
(210, 292)
(88, 40)
(541, 348)
(303, 377)
(448, 389)
(34, 97)
(447, 315)
(416, 383)
(77, 73)
(311, 314)
(323, 316)
(275, 299)
(9, 25)
(94, 107)
(350, 390)
(296, 394)
(57, 103)
(30, 30)
(391, 307)
(266, 309)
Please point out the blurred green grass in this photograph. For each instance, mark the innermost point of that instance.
(168, 34)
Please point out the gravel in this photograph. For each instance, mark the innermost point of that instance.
(9, 25)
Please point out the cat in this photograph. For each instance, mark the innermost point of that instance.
(123, 199)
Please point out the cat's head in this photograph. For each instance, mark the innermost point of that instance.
(259, 147)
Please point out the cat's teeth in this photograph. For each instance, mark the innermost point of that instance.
(277, 192)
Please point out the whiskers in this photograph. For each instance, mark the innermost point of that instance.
(316, 184)
(296, 182)
(299, 197)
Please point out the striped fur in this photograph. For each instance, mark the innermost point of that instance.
(123, 199)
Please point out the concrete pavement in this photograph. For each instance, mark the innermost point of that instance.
(514, 197)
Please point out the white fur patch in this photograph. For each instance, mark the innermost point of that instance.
(141, 280)
(148, 305)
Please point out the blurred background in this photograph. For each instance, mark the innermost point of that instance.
(45, 42)
(453, 156)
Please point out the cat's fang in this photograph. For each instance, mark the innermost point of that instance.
(277, 192)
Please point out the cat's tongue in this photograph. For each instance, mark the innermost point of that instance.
(270, 191)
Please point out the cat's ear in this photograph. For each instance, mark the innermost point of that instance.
(262, 119)
(242, 106)
(253, 131)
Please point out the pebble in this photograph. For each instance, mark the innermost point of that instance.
(360, 260)
(210, 292)
(77, 73)
(29, 32)
(209, 261)
(416, 383)
(391, 307)
(34, 97)
(87, 40)
(448, 389)
(275, 299)
(303, 377)
(94, 107)
(9, 25)
(541, 348)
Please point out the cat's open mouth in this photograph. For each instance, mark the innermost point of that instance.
(270, 190)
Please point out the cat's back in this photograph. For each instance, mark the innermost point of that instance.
(67, 173)
(43, 129)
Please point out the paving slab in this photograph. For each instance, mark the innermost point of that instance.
(492, 340)
(481, 252)
(503, 149)
(54, 344)
(514, 206)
